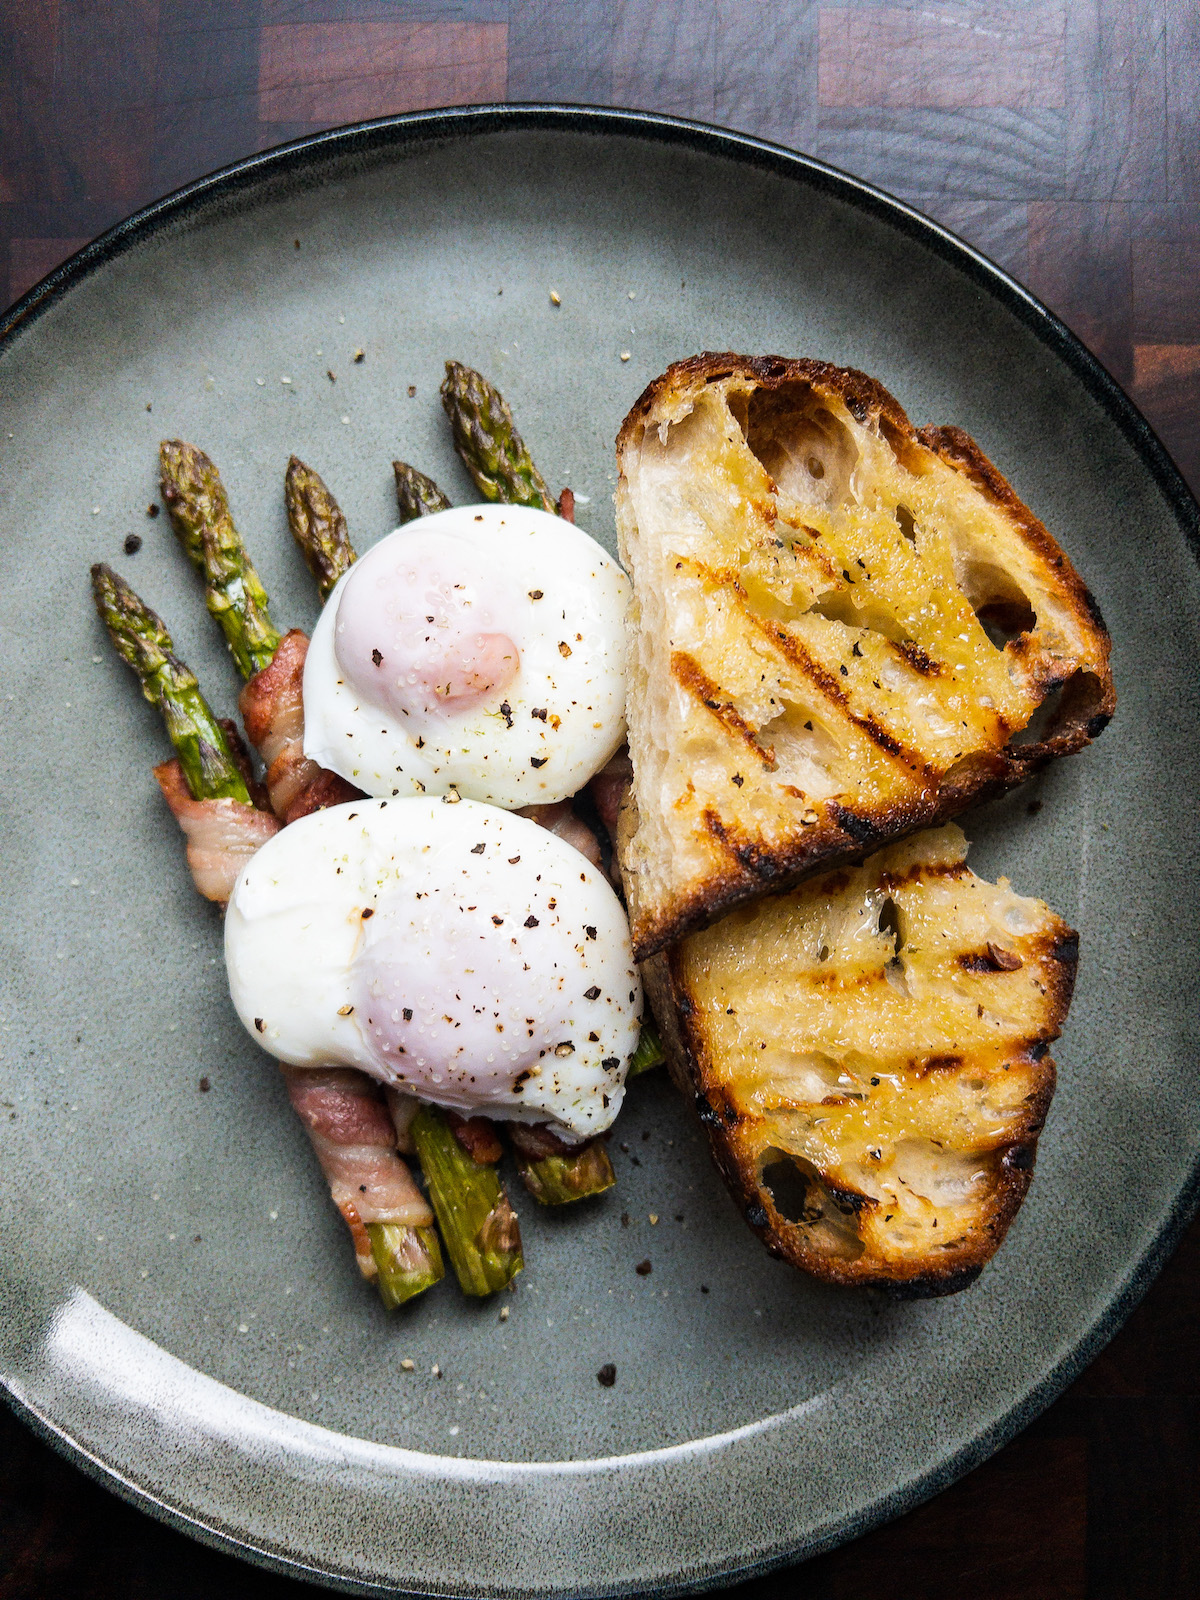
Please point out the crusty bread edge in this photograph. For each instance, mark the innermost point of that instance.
(978, 779)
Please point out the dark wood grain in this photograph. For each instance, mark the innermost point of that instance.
(1062, 137)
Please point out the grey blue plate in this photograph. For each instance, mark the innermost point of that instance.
(178, 1306)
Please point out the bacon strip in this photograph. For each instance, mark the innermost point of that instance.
(343, 1111)
(403, 1108)
(351, 1132)
(478, 1138)
(608, 788)
(241, 755)
(272, 707)
(535, 1141)
(560, 819)
(325, 789)
(221, 835)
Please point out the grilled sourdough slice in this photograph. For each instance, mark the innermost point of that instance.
(868, 1054)
(842, 630)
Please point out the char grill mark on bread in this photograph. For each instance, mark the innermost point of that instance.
(868, 1054)
(843, 629)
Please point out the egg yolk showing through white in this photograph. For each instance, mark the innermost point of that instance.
(480, 649)
(456, 951)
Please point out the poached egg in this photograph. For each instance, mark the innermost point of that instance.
(453, 950)
(480, 650)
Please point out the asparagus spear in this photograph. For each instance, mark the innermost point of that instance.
(488, 443)
(486, 438)
(649, 1052)
(408, 1259)
(480, 1228)
(496, 456)
(556, 1180)
(418, 495)
(199, 509)
(141, 639)
(460, 1189)
(317, 525)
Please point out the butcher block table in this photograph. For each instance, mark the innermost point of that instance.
(1061, 139)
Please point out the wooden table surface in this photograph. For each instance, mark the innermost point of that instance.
(1063, 139)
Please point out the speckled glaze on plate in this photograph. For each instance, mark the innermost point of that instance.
(178, 1307)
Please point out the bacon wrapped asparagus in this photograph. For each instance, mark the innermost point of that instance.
(271, 704)
(273, 711)
(272, 707)
(493, 452)
(479, 1226)
(209, 793)
(389, 1219)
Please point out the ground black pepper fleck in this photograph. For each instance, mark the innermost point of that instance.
(205, 1086)
(607, 1375)
(133, 543)
(643, 1269)
(152, 509)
